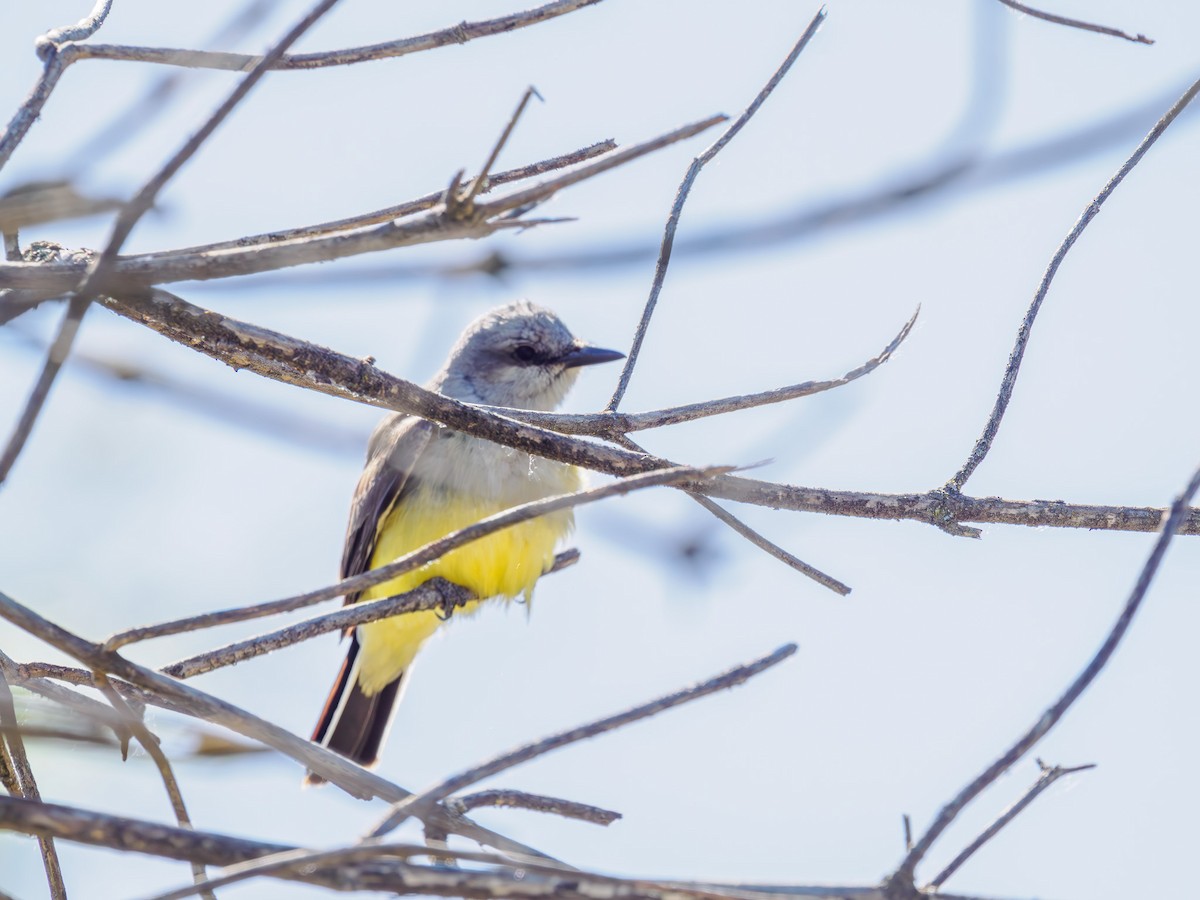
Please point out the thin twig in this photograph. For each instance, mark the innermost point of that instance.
(466, 201)
(612, 424)
(16, 761)
(414, 804)
(685, 187)
(240, 62)
(984, 444)
(536, 802)
(1051, 717)
(1076, 23)
(55, 357)
(150, 744)
(727, 518)
(423, 555)
(1050, 774)
(771, 547)
(399, 211)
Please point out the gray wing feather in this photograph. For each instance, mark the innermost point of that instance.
(391, 455)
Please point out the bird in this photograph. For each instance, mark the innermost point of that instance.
(423, 480)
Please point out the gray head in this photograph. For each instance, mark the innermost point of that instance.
(520, 356)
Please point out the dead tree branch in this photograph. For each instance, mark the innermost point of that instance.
(282, 358)
(984, 444)
(1076, 23)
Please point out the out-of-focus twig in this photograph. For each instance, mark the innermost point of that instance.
(400, 210)
(98, 271)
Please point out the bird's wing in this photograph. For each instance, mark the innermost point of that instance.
(394, 449)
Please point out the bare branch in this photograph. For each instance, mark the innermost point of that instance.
(1050, 774)
(770, 547)
(414, 804)
(984, 444)
(1076, 23)
(390, 213)
(282, 358)
(138, 271)
(425, 554)
(1051, 717)
(240, 62)
(536, 802)
(18, 769)
(466, 202)
(685, 187)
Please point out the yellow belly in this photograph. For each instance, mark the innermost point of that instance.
(505, 564)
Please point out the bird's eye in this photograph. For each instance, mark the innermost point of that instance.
(524, 354)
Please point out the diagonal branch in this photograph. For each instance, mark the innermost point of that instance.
(1052, 716)
(240, 62)
(984, 444)
(685, 188)
(1050, 774)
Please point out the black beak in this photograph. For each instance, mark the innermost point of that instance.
(583, 355)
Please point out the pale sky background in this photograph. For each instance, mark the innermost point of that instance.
(129, 506)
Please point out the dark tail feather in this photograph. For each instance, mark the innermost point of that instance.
(352, 723)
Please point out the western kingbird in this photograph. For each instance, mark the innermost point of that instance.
(423, 480)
